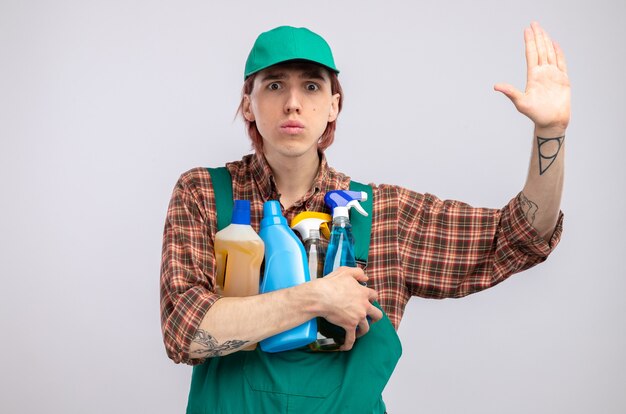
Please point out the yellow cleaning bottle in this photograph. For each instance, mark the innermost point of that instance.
(239, 253)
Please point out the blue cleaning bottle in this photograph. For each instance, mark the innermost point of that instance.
(340, 251)
(285, 266)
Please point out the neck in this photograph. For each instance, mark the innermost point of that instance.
(293, 175)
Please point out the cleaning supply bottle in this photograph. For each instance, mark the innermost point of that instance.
(285, 266)
(239, 254)
(341, 246)
(340, 250)
(309, 224)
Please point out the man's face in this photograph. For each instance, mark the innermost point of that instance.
(291, 105)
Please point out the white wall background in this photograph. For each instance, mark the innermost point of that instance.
(104, 103)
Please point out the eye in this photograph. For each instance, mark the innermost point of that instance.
(274, 86)
(312, 87)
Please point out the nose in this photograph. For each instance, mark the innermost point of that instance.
(293, 102)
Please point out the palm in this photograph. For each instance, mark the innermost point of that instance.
(546, 100)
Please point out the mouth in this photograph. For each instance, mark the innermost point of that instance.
(292, 127)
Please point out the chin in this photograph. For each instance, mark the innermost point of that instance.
(294, 148)
(294, 152)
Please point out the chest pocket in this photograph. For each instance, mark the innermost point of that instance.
(281, 373)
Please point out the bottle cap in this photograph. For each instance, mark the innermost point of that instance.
(241, 212)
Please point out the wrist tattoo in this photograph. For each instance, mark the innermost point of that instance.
(548, 152)
(528, 207)
(210, 346)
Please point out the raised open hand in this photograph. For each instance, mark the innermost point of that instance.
(546, 100)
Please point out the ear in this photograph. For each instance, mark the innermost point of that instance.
(334, 108)
(247, 109)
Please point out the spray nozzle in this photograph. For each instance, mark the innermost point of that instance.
(306, 221)
(340, 201)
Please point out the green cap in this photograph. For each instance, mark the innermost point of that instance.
(286, 43)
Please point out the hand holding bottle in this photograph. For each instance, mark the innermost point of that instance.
(346, 303)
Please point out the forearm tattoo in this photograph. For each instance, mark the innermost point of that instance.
(528, 207)
(210, 346)
(547, 152)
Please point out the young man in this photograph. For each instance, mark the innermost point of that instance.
(419, 246)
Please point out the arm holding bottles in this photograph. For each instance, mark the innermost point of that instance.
(198, 323)
(233, 323)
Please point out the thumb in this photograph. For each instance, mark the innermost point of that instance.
(509, 90)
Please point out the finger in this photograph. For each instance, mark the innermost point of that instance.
(372, 295)
(510, 91)
(541, 45)
(349, 341)
(363, 328)
(358, 274)
(551, 54)
(560, 57)
(531, 49)
(375, 314)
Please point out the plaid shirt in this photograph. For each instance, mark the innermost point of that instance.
(419, 244)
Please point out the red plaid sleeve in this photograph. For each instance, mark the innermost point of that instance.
(450, 249)
(187, 263)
